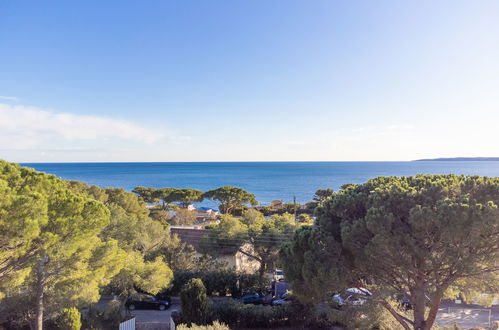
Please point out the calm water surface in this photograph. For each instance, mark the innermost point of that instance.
(267, 180)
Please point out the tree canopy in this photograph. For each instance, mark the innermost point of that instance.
(62, 241)
(230, 198)
(415, 236)
(167, 196)
(254, 236)
(50, 242)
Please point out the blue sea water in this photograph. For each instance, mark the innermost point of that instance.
(267, 180)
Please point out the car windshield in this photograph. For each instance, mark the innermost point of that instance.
(279, 272)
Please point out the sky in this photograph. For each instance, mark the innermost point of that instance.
(270, 80)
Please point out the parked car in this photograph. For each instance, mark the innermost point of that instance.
(286, 298)
(278, 275)
(404, 303)
(254, 298)
(146, 301)
(352, 296)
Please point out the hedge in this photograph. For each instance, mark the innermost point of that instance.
(221, 283)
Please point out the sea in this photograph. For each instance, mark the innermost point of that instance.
(267, 180)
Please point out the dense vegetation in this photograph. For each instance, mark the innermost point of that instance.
(252, 235)
(63, 242)
(417, 236)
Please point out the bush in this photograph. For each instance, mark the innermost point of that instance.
(215, 326)
(220, 282)
(110, 318)
(234, 313)
(70, 319)
(194, 301)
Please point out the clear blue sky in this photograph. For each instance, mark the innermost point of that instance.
(248, 80)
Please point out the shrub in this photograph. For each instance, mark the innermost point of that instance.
(220, 282)
(215, 326)
(234, 313)
(194, 301)
(70, 319)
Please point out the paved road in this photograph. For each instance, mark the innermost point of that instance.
(467, 316)
(156, 316)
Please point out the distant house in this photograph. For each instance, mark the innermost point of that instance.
(206, 214)
(276, 205)
(193, 235)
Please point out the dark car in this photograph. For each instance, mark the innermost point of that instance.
(146, 301)
(285, 299)
(252, 298)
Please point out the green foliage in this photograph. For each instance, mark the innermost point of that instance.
(66, 240)
(221, 282)
(230, 198)
(235, 314)
(254, 236)
(98, 319)
(304, 219)
(148, 195)
(215, 326)
(194, 301)
(143, 239)
(166, 196)
(416, 234)
(179, 255)
(65, 260)
(187, 196)
(309, 264)
(70, 319)
(162, 216)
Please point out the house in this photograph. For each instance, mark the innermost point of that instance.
(193, 235)
(276, 205)
(207, 212)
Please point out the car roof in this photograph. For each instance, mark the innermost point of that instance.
(361, 291)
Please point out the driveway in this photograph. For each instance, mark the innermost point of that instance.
(155, 319)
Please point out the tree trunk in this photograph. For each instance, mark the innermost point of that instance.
(398, 317)
(40, 288)
(419, 306)
(261, 274)
(432, 315)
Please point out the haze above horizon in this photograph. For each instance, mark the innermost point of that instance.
(93, 81)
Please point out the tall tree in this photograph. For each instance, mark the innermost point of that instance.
(149, 195)
(194, 301)
(142, 239)
(65, 254)
(411, 235)
(187, 196)
(166, 196)
(230, 198)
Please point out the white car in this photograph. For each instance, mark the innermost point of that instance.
(352, 296)
(278, 275)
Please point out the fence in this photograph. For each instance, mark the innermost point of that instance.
(128, 325)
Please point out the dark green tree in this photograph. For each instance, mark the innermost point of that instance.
(167, 197)
(230, 198)
(410, 235)
(149, 195)
(70, 319)
(187, 196)
(65, 261)
(194, 301)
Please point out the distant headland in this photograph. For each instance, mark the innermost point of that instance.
(461, 159)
